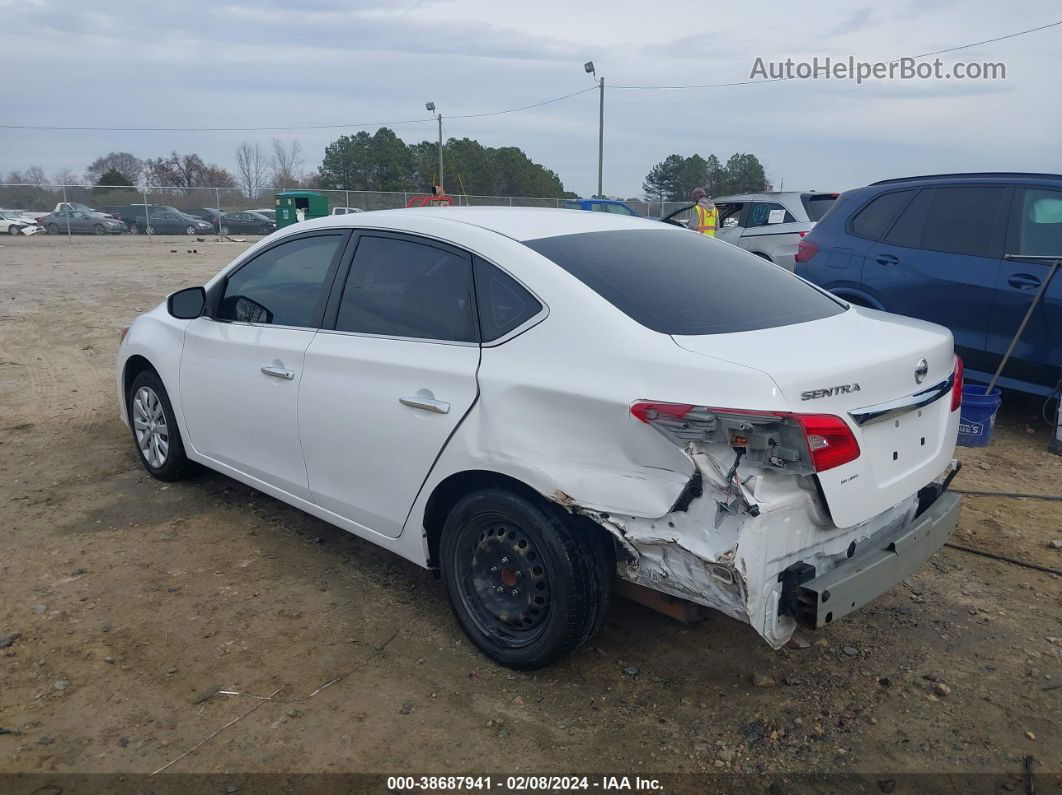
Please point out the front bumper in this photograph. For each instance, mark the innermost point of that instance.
(817, 601)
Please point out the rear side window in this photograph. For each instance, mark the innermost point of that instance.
(767, 213)
(1041, 223)
(907, 231)
(874, 220)
(400, 288)
(675, 282)
(281, 286)
(961, 220)
(503, 303)
(818, 204)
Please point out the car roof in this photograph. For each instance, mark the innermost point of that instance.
(978, 175)
(787, 194)
(518, 223)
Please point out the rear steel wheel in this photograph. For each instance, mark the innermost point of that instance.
(528, 583)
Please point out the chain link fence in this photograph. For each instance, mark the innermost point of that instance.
(41, 198)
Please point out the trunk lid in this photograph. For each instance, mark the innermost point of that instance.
(849, 362)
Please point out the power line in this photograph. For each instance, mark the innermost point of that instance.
(895, 60)
(291, 129)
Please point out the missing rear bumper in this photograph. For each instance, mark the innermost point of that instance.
(816, 601)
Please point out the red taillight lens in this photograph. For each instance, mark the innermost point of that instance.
(647, 411)
(802, 234)
(830, 440)
(956, 388)
(806, 249)
(827, 438)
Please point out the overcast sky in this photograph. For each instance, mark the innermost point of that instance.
(250, 63)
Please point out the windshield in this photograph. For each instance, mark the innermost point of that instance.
(684, 283)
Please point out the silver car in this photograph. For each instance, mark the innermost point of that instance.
(768, 224)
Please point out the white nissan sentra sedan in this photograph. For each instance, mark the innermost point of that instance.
(536, 403)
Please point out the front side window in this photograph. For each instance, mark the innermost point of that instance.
(677, 283)
(281, 286)
(1041, 223)
(401, 288)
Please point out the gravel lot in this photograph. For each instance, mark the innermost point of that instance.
(126, 602)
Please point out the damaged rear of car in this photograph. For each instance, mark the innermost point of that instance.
(749, 443)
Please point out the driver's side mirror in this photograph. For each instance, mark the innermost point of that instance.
(187, 304)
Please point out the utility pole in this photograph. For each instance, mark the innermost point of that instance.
(430, 106)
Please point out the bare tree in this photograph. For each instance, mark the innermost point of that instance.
(250, 169)
(66, 176)
(128, 165)
(285, 163)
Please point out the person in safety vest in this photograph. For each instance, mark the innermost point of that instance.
(705, 216)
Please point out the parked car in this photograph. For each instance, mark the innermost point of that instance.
(935, 248)
(396, 374)
(600, 206)
(135, 215)
(246, 223)
(212, 215)
(770, 225)
(16, 223)
(79, 222)
(345, 210)
(268, 212)
(172, 222)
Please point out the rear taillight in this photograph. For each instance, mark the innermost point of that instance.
(803, 233)
(956, 387)
(799, 443)
(830, 440)
(806, 249)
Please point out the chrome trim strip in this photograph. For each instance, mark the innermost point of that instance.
(893, 408)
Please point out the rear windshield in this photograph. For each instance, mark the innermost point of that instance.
(680, 282)
(817, 204)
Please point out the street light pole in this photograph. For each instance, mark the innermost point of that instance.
(430, 106)
(588, 67)
(601, 139)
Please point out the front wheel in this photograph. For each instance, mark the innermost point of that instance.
(189, 230)
(225, 231)
(158, 440)
(14, 230)
(53, 229)
(266, 230)
(99, 229)
(528, 584)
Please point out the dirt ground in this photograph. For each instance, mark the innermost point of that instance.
(131, 601)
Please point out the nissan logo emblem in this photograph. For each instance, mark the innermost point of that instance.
(921, 371)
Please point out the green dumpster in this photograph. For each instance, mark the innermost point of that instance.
(300, 205)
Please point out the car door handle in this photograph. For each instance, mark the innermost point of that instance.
(278, 372)
(886, 259)
(425, 404)
(1023, 281)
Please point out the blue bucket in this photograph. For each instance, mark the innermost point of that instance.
(977, 417)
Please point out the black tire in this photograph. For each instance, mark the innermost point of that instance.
(266, 230)
(14, 230)
(189, 230)
(53, 229)
(99, 229)
(527, 583)
(225, 231)
(175, 464)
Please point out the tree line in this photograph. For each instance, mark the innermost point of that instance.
(676, 177)
(382, 161)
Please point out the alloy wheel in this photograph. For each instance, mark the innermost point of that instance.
(149, 424)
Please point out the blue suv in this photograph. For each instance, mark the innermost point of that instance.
(934, 247)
